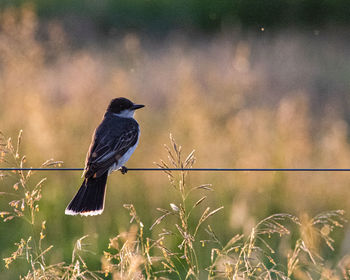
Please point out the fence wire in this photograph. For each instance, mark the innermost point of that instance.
(195, 169)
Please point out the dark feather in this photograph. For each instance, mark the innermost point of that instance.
(89, 199)
(111, 141)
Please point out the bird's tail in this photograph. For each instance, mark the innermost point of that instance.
(89, 200)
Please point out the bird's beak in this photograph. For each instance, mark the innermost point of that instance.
(137, 106)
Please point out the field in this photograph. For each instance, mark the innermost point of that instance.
(256, 100)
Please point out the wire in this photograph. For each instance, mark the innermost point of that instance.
(195, 169)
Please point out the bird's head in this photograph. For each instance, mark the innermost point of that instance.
(123, 107)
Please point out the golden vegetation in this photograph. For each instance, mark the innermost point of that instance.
(137, 255)
(218, 97)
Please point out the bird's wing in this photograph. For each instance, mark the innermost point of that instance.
(107, 149)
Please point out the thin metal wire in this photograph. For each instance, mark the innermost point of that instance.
(195, 169)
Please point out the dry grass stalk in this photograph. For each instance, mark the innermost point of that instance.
(136, 255)
(25, 206)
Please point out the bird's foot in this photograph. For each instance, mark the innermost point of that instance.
(123, 169)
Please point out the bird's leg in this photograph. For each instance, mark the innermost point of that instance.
(123, 169)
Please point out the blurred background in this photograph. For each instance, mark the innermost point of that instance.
(247, 84)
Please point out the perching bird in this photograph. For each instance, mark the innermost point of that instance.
(114, 140)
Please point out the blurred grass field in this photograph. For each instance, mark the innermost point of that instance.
(255, 100)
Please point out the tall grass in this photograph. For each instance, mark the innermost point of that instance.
(240, 100)
(137, 255)
(26, 196)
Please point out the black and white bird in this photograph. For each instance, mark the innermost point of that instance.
(113, 142)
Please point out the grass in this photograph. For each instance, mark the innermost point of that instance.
(241, 100)
(137, 255)
(26, 196)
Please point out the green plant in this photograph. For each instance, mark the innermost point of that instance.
(169, 249)
(253, 258)
(182, 262)
(25, 206)
(243, 257)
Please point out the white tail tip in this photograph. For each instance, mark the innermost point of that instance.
(85, 213)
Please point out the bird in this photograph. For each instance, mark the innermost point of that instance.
(113, 142)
